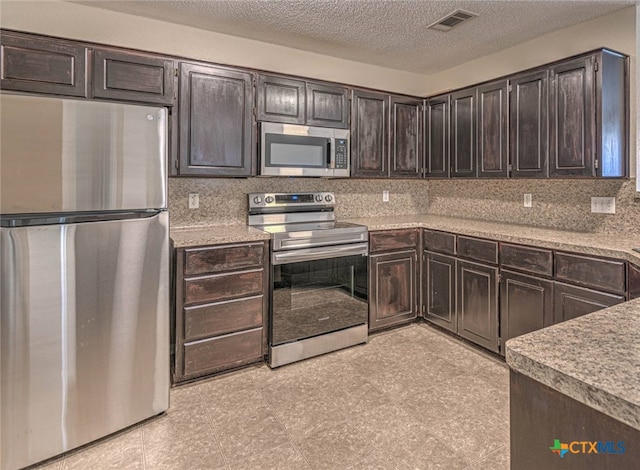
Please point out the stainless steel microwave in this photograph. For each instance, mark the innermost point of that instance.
(292, 150)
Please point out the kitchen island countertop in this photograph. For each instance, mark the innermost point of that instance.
(594, 359)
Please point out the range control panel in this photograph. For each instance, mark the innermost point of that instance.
(310, 200)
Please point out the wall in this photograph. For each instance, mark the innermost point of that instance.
(70, 20)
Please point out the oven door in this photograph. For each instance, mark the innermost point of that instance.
(317, 291)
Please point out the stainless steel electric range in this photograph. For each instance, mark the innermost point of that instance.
(318, 295)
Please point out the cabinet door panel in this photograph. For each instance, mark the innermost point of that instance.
(492, 129)
(477, 304)
(327, 106)
(281, 100)
(572, 118)
(406, 156)
(134, 77)
(440, 290)
(528, 125)
(369, 127)
(634, 281)
(392, 289)
(216, 129)
(573, 302)
(437, 137)
(463, 133)
(526, 304)
(42, 65)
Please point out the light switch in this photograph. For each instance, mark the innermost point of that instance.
(528, 200)
(194, 200)
(385, 196)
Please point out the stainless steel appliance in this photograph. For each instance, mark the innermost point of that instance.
(292, 150)
(318, 275)
(84, 266)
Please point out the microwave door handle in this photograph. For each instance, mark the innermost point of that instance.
(329, 159)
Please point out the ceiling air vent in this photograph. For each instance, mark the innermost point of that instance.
(452, 20)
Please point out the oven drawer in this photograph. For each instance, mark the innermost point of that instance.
(223, 258)
(221, 318)
(218, 287)
(390, 240)
(222, 352)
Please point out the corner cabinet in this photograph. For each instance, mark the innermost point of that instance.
(393, 276)
(220, 308)
(215, 120)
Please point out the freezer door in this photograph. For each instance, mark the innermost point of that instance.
(84, 333)
(62, 155)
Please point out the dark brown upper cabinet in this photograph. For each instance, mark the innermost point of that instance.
(216, 129)
(463, 133)
(405, 137)
(43, 65)
(436, 139)
(128, 76)
(588, 116)
(492, 151)
(327, 105)
(528, 125)
(293, 101)
(281, 100)
(369, 125)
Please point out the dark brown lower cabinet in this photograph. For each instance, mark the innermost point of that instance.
(477, 303)
(573, 302)
(526, 304)
(439, 274)
(392, 289)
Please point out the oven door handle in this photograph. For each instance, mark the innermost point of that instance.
(324, 252)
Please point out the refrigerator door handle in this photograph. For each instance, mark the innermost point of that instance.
(31, 220)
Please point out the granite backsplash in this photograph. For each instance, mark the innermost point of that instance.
(561, 204)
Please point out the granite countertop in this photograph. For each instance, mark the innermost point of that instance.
(594, 359)
(598, 244)
(202, 235)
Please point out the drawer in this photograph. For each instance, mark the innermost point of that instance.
(220, 318)
(220, 287)
(440, 242)
(222, 352)
(602, 274)
(389, 240)
(527, 258)
(223, 258)
(478, 249)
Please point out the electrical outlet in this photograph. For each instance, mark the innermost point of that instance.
(603, 205)
(385, 196)
(528, 201)
(194, 200)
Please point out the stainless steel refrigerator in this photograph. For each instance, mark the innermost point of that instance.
(84, 272)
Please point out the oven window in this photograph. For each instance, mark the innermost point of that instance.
(296, 151)
(311, 298)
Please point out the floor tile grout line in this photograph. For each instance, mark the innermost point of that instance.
(485, 457)
(213, 428)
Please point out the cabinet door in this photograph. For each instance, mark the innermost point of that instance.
(573, 302)
(327, 105)
(528, 125)
(42, 65)
(392, 289)
(405, 137)
(492, 129)
(526, 304)
(477, 303)
(437, 137)
(463, 133)
(440, 290)
(132, 77)
(369, 127)
(216, 125)
(281, 100)
(572, 118)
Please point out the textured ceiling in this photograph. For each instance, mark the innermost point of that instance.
(389, 33)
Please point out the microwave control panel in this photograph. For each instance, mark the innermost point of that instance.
(342, 154)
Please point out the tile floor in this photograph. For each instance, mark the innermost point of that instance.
(412, 398)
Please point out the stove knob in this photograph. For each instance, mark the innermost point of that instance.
(319, 197)
(268, 199)
(328, 198)
(257, 200)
